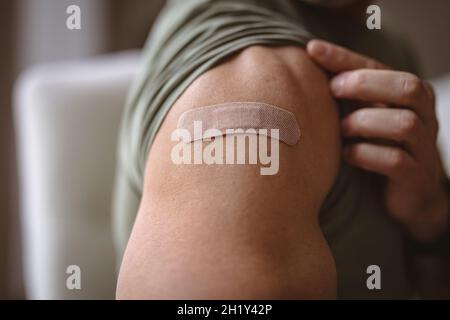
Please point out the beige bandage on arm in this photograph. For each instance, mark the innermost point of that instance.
(242, 115)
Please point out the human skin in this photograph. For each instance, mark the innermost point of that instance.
(399, 108)
(398, 125)
(225, 231)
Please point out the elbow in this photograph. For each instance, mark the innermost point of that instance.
(264, 276)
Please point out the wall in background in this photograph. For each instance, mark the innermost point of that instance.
(7, 159)
(130, 22)
(426, 24)
(43, 35)
(34, 32)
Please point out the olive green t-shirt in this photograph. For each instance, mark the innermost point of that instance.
(192, 36)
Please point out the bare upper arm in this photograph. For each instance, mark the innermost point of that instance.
(225, 231)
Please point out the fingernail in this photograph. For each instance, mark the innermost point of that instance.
(337, 84)
(318, 49)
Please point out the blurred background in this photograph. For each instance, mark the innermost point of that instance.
(33, 32)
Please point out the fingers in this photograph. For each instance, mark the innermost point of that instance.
(399, 125)
(386, 160)
(360, 78)
(384, 86)
(337, 59)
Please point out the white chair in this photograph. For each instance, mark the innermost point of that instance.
(442, 87)
(67, 117)
(67, 120)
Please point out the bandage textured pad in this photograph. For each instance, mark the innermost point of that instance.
(243, 115)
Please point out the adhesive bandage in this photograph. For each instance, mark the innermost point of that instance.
(242, 115)
(246, 125)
